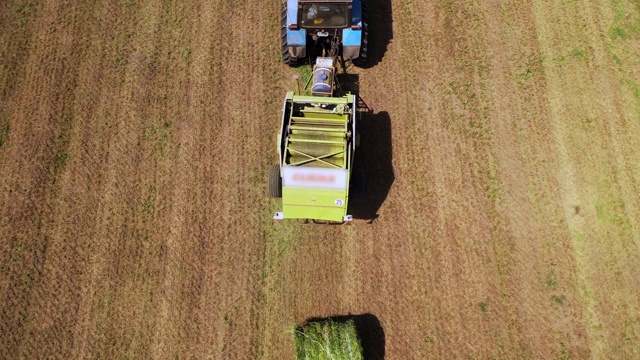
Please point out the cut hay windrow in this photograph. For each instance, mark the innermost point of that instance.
(327, 340)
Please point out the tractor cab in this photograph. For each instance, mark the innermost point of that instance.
(336, 27)
(324, 16)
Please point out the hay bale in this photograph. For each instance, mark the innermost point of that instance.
(327, 340)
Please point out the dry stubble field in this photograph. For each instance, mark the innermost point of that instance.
(503, 158)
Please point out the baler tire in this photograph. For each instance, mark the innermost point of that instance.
(275, 182)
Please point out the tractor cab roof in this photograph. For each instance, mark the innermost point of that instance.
(323, 1)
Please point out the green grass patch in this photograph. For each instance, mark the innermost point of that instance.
(617, 32)
(579, 54)
(551, 280)
(24, 12)
(305, 72)
(613, 212)
(483, 306)
(59, 153)
(446, 5)
(148, 203)
(4, 131)
(559, 299)
(328, 340)
(635, 90)
(160, 136)
(493, 190)
(578, 237)
(617, 59)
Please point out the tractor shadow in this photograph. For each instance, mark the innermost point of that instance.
(374, 157)
(369, 330)
(349, 83)
(380, 26)
(379, 18)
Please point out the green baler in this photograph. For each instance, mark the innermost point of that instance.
(316, 147)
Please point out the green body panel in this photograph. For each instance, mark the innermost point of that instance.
(316, 133)
(313, 197)
(317, 99)
(318, 204)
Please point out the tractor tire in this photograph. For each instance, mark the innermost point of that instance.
(358, 184)
(361, 60)
(286, 57)
(275, 182)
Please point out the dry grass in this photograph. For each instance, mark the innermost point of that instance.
(135, 139)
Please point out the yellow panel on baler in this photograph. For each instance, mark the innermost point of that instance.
(305, 203)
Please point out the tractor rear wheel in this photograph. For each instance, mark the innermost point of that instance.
(361, 60)
(275, 182)
(286, 57)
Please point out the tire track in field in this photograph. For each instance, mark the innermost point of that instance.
(187, 250)
(431, 258)
(54, 308)
(159, 292)
(217, 242)
(100, 316)
(598, 190)
(525, 182)
(94, 172)
(13, 53)
(17, 25)
(237, 204)
(114, 298)
(35, 157)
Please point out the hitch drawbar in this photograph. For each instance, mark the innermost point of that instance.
(279, 215)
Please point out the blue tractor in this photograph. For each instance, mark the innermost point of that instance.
(312, 28)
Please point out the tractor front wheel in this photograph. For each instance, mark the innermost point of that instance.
(286, 57)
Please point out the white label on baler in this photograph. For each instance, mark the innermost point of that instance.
(319, 178)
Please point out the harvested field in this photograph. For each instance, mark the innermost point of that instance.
(502, 218)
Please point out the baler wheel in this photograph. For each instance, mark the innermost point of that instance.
(275, 182)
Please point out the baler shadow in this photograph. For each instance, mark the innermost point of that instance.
(369, 330)
(374, 157)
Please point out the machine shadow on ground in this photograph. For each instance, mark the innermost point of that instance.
(374, 157)
(369, 330)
